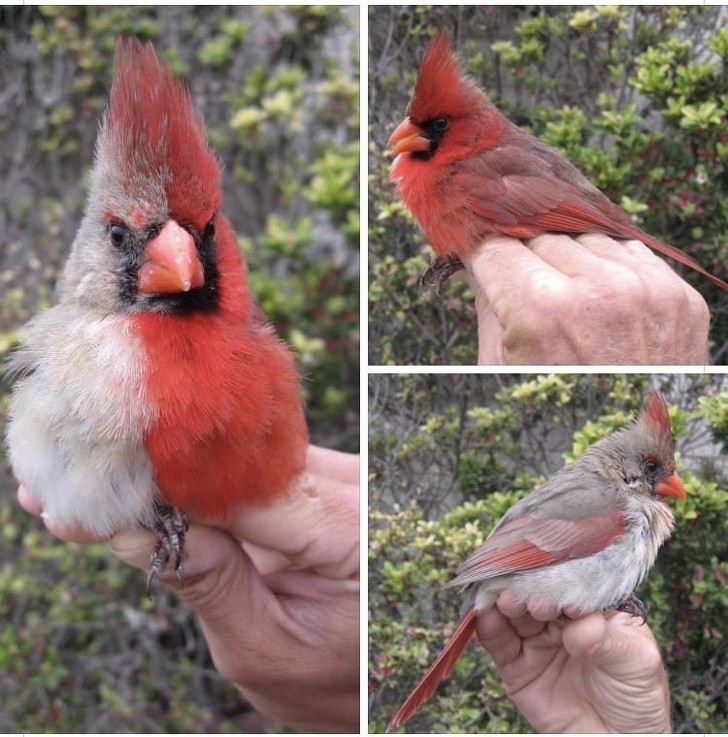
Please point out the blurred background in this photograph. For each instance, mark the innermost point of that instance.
(449, 454)
(634, 96)
(81, 647)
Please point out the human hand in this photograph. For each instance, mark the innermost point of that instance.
(586, 300)
(279, 611)
(599, 673)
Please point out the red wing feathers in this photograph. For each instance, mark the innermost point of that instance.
(678, 255)
(438, 671)
(532, 200)
(529, 542)
(516, 202)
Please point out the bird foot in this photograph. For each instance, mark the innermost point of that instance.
(633, 606)
(439, 271)
(170, 525)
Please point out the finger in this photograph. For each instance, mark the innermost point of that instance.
(266, 561)
(612, 643)
(303, 585)
(237, 611)
(573, 258)
(490, 331)
(631, 253)
(28, 502)
(511, 605)
(496, 634)
(490, 335)
(543, 611)
(219, 582)
(581, 636)
(337, 466)
(315, 527)
(573, 612)
(518, 614)
(509, 274)
(662, 289)
(68, 533)
(668, 284)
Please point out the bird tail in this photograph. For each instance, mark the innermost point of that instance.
(439, 670)
(683, 258)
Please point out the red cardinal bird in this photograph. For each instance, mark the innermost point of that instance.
(585, 539)
(154, 387)
(466, 172)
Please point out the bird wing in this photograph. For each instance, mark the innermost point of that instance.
(537, 201)
(530, 542)
(540, 201)
(568, 517)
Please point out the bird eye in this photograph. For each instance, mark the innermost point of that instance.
(210, 229)
(117, 233)
(441, 124)
(650, 466)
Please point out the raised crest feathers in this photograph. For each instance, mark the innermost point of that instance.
(152, 129)
(441, 86)
(655, 419)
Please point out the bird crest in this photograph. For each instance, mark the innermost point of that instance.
(441, 88)
(655, 419)
(151, 131)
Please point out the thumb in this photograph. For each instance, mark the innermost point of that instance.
(243, 622)
(614, 643)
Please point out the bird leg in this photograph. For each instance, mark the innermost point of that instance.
(439, 271)
(633, 606)
(170, 525)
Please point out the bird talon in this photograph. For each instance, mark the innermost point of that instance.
(438, 272)
(632, 606)
(170, 525)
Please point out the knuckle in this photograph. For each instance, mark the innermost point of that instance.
(698, 307)
(625, 290)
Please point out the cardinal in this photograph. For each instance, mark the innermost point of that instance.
(466, 172)
(584, 540)
(154, 389)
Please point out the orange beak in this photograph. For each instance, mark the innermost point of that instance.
(407, 137)
(172, 264)
(671, 486)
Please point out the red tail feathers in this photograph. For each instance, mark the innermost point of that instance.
(438, 672)
(683, 258)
